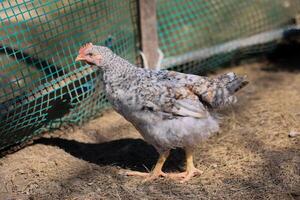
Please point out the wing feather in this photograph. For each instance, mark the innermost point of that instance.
(180, 101)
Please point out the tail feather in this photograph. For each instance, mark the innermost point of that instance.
(236, 84)
(226, 86)
(217, 92)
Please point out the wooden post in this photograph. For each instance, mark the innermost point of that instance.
(149, 38)
(297, 18)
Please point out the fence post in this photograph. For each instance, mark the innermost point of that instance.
(149, 38)
(297, 18)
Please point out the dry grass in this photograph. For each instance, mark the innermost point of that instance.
(252, 158)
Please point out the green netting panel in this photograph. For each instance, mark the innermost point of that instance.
(40, 84)
(187, 26)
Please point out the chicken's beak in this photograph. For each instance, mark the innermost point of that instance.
(79, 58)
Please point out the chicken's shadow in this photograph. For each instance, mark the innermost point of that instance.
(133, 154)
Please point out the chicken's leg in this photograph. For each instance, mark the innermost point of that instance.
(156, 172)
(191, 170)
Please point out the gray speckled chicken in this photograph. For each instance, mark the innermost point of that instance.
(169, 109)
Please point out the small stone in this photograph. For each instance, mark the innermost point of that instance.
(294, 133)
(214, 165)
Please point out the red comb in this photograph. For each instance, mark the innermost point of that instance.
(85, 46)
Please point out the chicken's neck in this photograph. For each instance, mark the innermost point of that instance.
(117, 71)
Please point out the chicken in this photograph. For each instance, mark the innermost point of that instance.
(168, 108)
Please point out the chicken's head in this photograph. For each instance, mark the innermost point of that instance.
(94, 55)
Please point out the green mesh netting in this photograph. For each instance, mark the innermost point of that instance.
(41, 87)
(187, 26)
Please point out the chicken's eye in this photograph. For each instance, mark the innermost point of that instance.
(90, 54)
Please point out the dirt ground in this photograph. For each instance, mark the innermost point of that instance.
(251, 158)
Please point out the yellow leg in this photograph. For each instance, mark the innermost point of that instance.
(191, 170)
(156, 172)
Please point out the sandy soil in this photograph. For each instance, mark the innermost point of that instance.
(251, 158)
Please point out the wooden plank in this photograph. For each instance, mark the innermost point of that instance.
(149, 38)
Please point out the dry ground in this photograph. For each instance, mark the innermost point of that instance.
(251, 158)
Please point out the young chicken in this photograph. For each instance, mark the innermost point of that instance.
(168, 108)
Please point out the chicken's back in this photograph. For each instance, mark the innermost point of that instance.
(213, 92)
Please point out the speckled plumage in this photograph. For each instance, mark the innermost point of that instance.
(169, 109)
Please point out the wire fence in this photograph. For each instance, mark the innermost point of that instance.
(41, 86)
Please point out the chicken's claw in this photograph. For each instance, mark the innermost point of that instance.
(148, 176)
